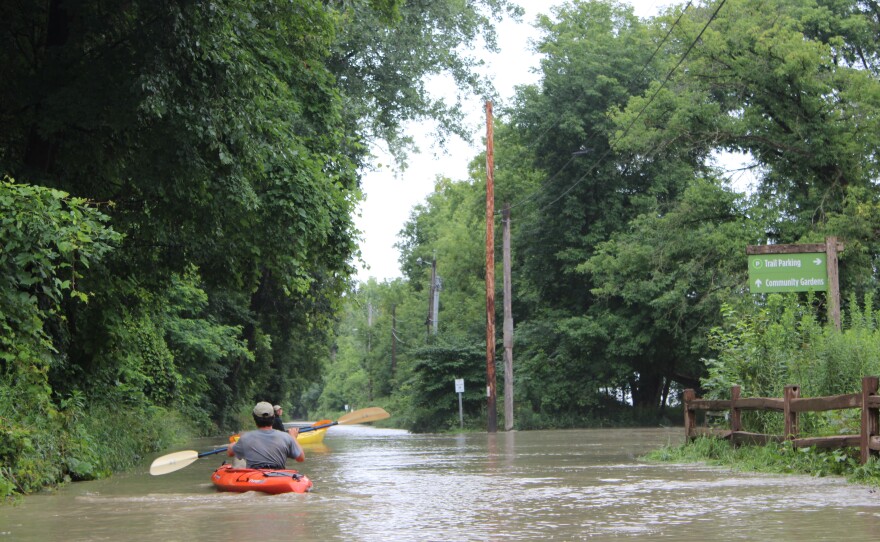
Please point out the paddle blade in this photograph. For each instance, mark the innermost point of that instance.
(172, 462)
(364, 415)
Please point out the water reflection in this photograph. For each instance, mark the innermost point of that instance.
(377, 485)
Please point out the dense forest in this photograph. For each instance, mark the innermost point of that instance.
(179, 182)
(650, 155)
(180, 177)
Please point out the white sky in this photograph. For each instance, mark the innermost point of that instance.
(391, 196)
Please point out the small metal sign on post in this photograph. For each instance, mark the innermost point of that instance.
(459, 389)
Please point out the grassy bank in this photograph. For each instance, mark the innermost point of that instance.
(779, 458)
(47, 449)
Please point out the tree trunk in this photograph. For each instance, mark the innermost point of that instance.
(647, 391)
(39, 151)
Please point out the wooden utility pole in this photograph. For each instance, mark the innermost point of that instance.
(369, 345)
(393, 340)
(492, 413)
(508, 325)
(429, 322)
(435, 315)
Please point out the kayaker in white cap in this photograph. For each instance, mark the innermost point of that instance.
(266, 448)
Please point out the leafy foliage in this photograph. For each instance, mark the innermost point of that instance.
(48, 239)
(660, 285)
(630, 230)
(783, 342)
(222, 142)
(218, 136)
(385, 70)
(435, 371)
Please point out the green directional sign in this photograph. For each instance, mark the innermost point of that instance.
(803, 272)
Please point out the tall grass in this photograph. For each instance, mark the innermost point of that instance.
(46, 446)
(763, 349)
(776, 458)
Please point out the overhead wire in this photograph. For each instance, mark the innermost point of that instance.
(645, 66)
(638, 115)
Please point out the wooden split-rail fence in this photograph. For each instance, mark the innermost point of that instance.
(791, 404)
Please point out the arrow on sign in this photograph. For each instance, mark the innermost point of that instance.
(818, 261)
(758, 283)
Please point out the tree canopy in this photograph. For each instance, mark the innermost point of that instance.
(222, 144)
(629, 222)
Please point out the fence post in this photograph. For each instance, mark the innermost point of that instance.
(791, 418)
(735, 419)
(870, 422)
(690, 420)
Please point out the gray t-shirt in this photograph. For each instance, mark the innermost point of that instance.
(266, 449)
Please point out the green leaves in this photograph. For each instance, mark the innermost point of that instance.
(47, 238)
(434, 373)
(781, 342)
(384, 64)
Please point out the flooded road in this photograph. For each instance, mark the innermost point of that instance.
(378, 485)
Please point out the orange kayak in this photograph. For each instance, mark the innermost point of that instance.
(228, 478)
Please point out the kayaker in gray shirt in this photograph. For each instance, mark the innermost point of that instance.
(266, 448)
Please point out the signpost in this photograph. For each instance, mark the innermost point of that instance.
(459, 389)
(797, 268)
(804, 272)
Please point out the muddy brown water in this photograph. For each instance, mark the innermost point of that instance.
(377, 484)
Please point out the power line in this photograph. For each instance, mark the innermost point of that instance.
(638, 115)
(644, 68)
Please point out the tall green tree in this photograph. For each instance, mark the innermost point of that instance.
(375, 334)
(598, 55)
(741, 77)
(217, 135)
(447, 233)
(661, 285)
(594, 53)
(225, 139)
(792, 83)
(387, 70)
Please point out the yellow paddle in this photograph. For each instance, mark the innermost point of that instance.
(178, 460)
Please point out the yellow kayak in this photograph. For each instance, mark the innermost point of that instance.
(316, 436)
(312, 437)
(309, 437)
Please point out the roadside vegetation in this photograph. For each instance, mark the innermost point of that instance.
(629, 225)
(179, 183)
(777, 458)
(784, 343)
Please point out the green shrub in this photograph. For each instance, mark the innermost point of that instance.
(765, 348)
(779, 458)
